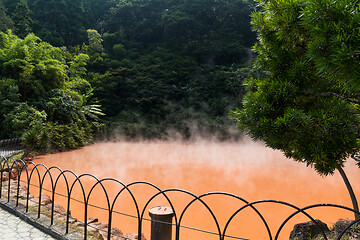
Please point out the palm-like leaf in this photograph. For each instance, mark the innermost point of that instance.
(92, 110)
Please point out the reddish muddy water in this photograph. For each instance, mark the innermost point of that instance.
(246, 169)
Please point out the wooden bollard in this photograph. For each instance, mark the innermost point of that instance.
(161, 223)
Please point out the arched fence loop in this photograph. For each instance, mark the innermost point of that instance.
(61, 174)
(17, 175)
(88, 197)
(347, 227)
(124, 187)
(276, 202)
(36, 170)
(244, 201)
(302, 210)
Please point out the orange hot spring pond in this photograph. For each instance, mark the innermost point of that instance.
(246, 169)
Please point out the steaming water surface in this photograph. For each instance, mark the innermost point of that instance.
(246, 169)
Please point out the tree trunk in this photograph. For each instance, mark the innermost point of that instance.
(26, 152)
(351, 192)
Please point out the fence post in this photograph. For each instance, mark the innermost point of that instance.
(161, 222)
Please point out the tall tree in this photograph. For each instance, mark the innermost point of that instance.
(20, 14)
(95, 10)
(43, 94)
(37, 69)
(216, 31)
(211, 30)
(10, 5)
(308, 104)
(22, 19)
(59, 22)
(5, 21)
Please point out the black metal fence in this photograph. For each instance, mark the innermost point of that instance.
(26, 171)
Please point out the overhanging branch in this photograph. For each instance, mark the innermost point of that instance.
(329, 94)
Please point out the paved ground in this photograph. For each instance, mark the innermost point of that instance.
(13, 228)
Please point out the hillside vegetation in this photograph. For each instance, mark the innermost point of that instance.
(154, 66)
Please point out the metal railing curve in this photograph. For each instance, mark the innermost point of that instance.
(25, 173)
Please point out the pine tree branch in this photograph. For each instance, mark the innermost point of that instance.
(329, 94)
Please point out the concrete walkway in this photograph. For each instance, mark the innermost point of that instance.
(12, 227)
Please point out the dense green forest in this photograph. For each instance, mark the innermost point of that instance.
(75, 69)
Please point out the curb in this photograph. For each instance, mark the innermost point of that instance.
(42, 223)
